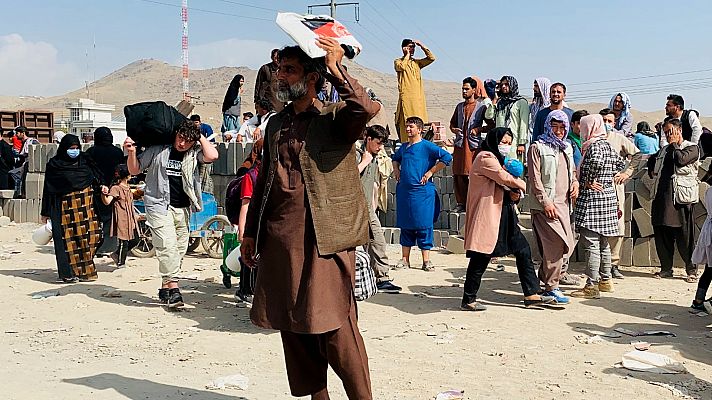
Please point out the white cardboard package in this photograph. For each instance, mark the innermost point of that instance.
(305, 29)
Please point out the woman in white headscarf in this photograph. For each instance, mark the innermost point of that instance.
(620, 104)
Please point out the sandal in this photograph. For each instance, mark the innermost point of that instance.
(663, 274)
(402, 265)
(428, 266)
(691, 278)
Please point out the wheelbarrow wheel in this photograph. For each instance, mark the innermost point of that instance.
(144, 246)
(193, 244)
(213, 244)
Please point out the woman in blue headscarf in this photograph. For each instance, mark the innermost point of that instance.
(620, 104)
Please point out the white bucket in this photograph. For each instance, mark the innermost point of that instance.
(232, 261)
(43, 234)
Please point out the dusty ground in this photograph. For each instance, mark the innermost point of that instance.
(83, 345)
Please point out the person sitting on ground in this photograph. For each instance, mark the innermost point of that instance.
(172, 189)
(553, 187)
(123, 221)
(596, 211)
(645, 139)
(71, 182)
(491, 227)
(414, 164)
(675, 164)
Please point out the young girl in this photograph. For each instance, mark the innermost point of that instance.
(123, 222)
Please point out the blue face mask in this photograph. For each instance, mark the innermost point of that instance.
(73, 153)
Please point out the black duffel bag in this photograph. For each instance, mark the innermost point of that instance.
(152, 122)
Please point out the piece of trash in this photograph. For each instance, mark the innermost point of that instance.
(191, 277)
(229, 382)
(646, 361)
(611, 335)
(642, 346)
(661, 316)
(644, 333)
(30, 272)
(111, 293)
(500, 268)
(591, 339)
(45, 294)
(451, 395)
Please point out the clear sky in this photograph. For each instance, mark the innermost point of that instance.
(43, 45)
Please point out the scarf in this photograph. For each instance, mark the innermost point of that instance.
(626, 108)
(506, 102)
(233, 93)
(592, 130)
(65, 174)
(491, 142)
(480, 91)
(549, 138)
(575, 139)
(540, 102)
(490, 88)
(103, 137)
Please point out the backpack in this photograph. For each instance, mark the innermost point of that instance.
(686, 127)
(365, 278)
(233, 203)
(152, 122)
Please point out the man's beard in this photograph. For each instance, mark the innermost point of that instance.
(555, 102)
(293, 92)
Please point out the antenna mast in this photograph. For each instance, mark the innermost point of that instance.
(184, 42)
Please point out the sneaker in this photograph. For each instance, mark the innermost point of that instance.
(558, 296)
(163, 296)
(568, 279)
(244, 298)
(428, 266)
(388, 287)
(616, 273)
(590, 291)
(402, 264)
(606, 285)
(175, 300)
(543, 299)
(697, 307)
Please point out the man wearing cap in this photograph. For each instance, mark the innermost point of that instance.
(411, 95)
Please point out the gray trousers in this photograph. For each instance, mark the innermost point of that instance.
(598, 255)
(377, 248)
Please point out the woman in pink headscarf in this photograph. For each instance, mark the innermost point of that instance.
(596, 212)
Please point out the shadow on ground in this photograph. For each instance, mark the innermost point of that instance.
(211, 306)
(140, 389)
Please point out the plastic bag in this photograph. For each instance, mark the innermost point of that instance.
(305, 29)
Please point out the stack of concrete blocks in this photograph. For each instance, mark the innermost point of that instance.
(638, 247)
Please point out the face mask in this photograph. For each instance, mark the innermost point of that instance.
(504, 149)
(609, 127)
(73, 153)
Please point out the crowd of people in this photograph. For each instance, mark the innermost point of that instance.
(307, 195)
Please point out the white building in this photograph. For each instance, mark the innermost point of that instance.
(86, 115)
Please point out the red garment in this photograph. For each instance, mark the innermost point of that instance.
(246, 187)
(16, 144)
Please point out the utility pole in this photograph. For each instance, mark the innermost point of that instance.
(332, 8)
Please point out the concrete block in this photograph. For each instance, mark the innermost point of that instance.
(220, 165)
(7, 194)
(628, 229)
(628, 207)
(437, 238)
(449, 185)
(390, 202)
(34, 184)
(642, 252)
(627, 252)
(630, 185)
(647, 181)
(461, 225)
(16, 210)
(388, 235)
(390, 218)
(456, 245)
(642, 194)
(437, 183)
(51, 150)
(444, 237)
(247, 149)
(23, 210)
(7, 208)
(232, 161)
(453, 221)
(395, 237)
(33, 210)
(381, 217)
(31, 158)
(642, 220)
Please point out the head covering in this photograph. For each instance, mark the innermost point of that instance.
(480, 91)
(65, 174)
(491, 142)
(506, 101)
(233, 92)
(103, 137)
(255, 155)
(541, 102)
(490, 87)
(626, 108)
(58, 136)
(644, 128)
(549, 138)
(592, 130)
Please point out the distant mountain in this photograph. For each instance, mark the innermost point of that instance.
(146, 80)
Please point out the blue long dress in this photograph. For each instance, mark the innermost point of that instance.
(416, 202)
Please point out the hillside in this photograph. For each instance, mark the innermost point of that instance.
(145, 80)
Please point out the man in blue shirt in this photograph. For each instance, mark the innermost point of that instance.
(557, 94)
(205, 129)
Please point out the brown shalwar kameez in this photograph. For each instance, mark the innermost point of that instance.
(554, 237)
(306, 295)
(462, 157)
